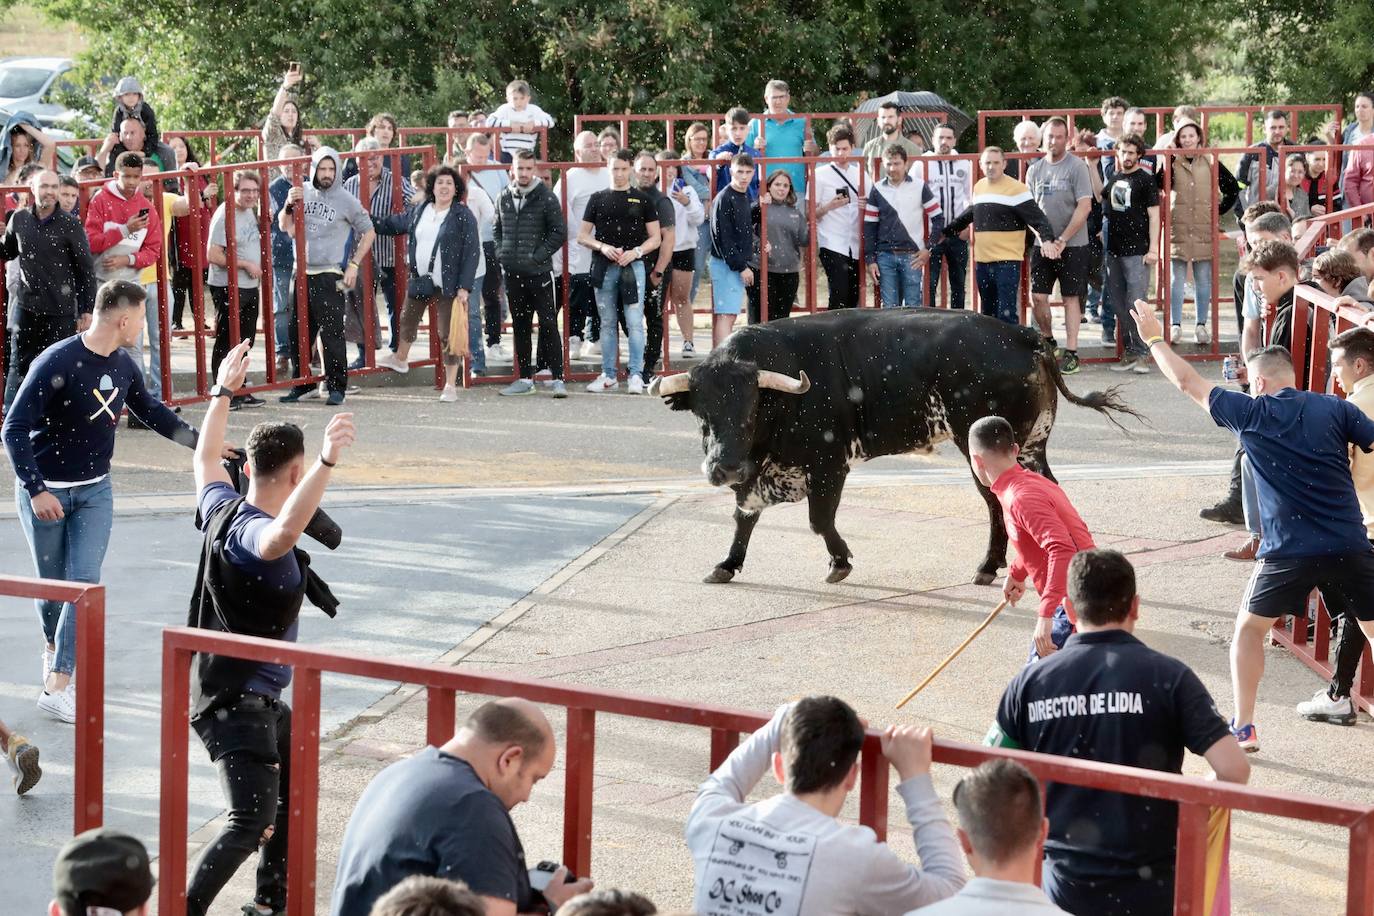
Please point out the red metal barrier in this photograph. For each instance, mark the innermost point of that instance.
(1160, 114)
(88, 803)
(215, 137)
(1194, 796)
(405, 134)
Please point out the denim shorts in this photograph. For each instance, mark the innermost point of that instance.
(727, 288)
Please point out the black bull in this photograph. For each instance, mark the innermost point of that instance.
(786, 408)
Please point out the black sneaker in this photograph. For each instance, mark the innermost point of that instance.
(236, 402)
(335, 398)
(1227, 512)
(249, 401)
(1068, 363)
(295, 394)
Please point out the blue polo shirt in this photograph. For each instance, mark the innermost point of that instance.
(785, 138)
(1298, 443)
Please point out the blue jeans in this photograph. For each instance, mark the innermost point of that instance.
(1060, 631)
(999, 289)
(152, 339)
(283, 304)
(607, 296)
(71, 549)
(1202, 281)
(899, 280)
(478, 361)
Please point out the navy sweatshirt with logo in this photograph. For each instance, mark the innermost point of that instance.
(61, 426)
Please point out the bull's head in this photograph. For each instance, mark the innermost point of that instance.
(724, 395)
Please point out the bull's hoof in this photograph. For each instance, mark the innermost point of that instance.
(719, 575)
(984, 578)
(838, 574)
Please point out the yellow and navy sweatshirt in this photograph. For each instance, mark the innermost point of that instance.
(1002, 211)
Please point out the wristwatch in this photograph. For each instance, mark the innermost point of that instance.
(220, 391)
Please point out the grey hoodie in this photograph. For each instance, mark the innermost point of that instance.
(330, 215)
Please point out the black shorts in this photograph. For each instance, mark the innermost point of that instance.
(1280, 586)
(685, 260)
(1070, 270)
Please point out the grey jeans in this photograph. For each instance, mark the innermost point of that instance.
(1128, 279)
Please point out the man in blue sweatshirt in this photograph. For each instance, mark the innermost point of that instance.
(900, 215)
(60, 434)
(330, 214)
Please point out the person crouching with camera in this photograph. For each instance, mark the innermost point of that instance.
(252, 581)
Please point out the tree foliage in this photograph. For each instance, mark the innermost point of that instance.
(208, 64)
(1314, 51)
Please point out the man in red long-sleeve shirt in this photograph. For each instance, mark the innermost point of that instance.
(1041, 523)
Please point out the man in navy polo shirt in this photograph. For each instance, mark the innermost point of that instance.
(1106, 696)
(1296, 443)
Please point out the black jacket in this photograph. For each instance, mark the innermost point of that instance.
(460, 246)
(54, 261)
(228, 600)
(527, 238)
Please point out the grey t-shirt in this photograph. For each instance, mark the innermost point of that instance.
(1057, 188)
(247, 246)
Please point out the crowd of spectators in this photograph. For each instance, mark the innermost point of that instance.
(1092, 225)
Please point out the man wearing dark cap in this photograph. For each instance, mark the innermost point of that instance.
(101, 871)
(87, 169)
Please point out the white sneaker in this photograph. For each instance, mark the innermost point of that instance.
(689, 350)
(449, 395)
(603, 383)
(394, 363)
(22, 758)
(1201, 335)
(60, 705)
(636, 385)
(494, 354)
(591, 349)
(1175, 336)
(574, 348)
(1321, 708)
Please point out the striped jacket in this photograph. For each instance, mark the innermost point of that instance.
(1002, 211)
(896, 217)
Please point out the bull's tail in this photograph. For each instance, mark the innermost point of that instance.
(1108, 403)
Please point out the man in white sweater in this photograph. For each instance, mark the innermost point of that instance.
(790, 855)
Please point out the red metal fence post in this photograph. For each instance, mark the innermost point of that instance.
(723, 741)
(1359, 892)
(440, 712)
(1190, 871)
(176, 699)
(873, 788)
(577, 792)
(88, 806)
(303, 819)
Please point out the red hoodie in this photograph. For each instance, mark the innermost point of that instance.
(109, 205)
(1046, 531)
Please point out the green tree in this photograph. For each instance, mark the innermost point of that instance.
(206, 64)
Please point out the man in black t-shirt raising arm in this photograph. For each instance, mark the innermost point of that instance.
(1130, 211)
(1108, 697)
(252, 581)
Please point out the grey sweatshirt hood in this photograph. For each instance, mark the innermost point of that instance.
(331, 214)
(322, 153)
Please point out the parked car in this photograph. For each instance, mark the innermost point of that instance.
(35, 85)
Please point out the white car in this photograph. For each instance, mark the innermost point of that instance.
(34, 84)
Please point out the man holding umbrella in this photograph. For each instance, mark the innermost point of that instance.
(889, 132)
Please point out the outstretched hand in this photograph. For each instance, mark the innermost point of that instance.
(338, 435)
(1145, 320)
(234, 370)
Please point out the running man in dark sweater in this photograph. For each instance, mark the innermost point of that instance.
(60, 434)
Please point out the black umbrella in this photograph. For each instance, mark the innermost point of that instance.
(907, 102)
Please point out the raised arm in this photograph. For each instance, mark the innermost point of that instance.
(210, 447)
(279, 538)
(1175, 368)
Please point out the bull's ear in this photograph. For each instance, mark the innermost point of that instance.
(679, 400)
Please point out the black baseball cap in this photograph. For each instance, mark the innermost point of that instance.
(102, 868)
(85, 162)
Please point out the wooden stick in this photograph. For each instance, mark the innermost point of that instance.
(955, 654)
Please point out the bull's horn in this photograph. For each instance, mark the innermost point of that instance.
(780, 382)
(670, 384)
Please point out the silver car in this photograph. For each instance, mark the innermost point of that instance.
(33, 84)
